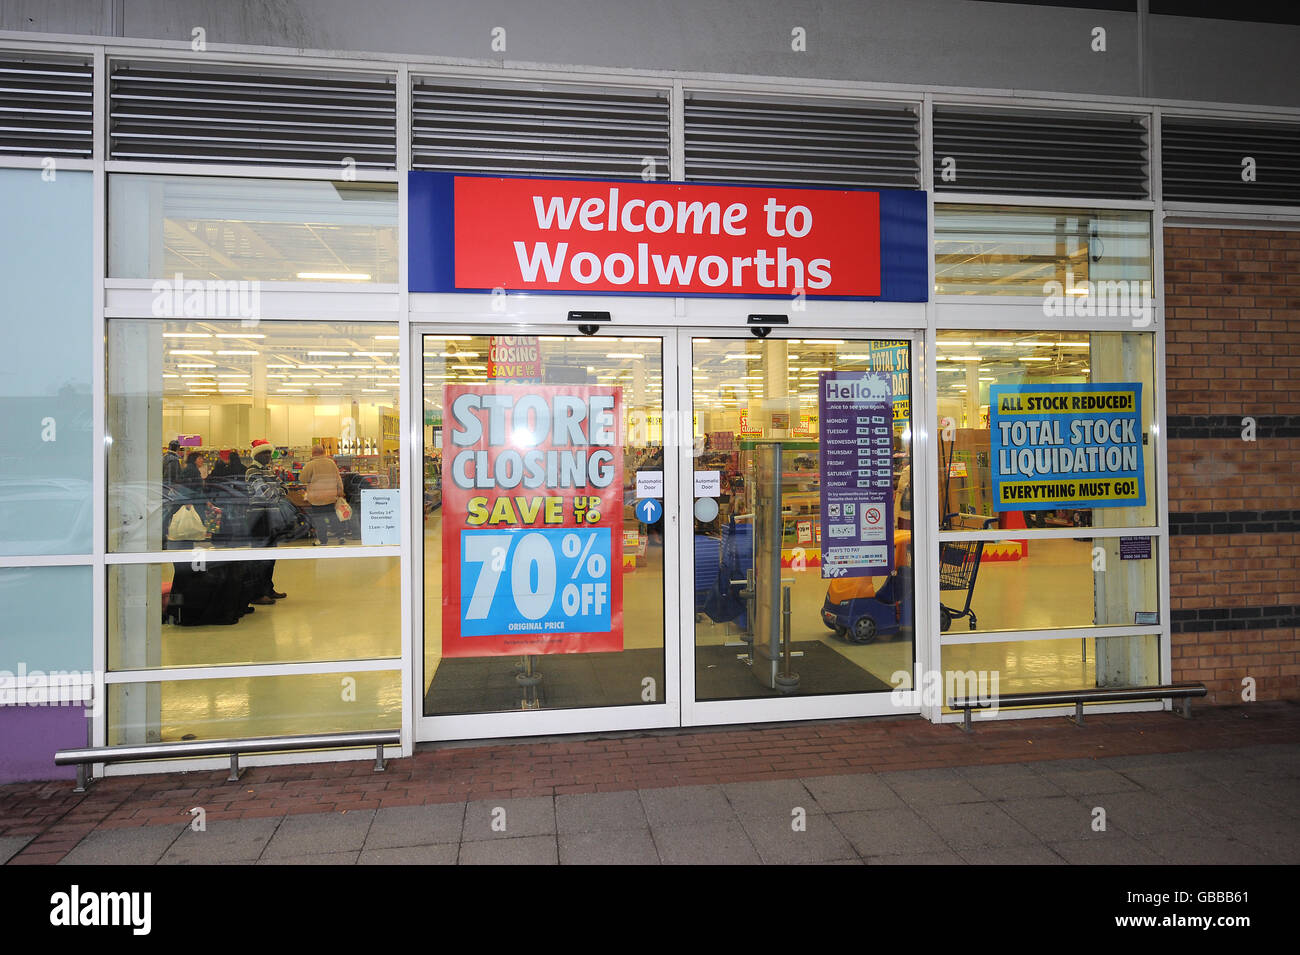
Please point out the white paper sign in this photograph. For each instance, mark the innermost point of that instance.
(708, 483)
(380, 512)
(649, 484)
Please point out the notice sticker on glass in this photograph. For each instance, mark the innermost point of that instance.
(856, 465)
(708, 483)
(379, 517)
(649, 484)
(1135, 548)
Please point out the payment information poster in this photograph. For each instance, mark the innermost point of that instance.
(532, 543)
(857, 473)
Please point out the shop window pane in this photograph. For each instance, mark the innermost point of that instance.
(195, 613)
(47, 618)
(273, 230)
(322, 397)
(1017, 250)
(971, 363)
(1045, 583)
(45, 402)
(1029, 666)
(835, 538)
(235, 707)
(545, 592)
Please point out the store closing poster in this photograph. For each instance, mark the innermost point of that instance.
(533, 519)
(857, 473)
(1066, 446)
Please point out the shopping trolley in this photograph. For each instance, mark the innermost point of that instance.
(959, 566)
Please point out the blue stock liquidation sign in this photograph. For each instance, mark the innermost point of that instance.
(1066, 446)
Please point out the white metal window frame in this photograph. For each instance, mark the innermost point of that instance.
(947, 311)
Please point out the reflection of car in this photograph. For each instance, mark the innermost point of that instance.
(1058, 518)
(45, 515)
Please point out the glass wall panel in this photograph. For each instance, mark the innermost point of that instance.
(47, 618)
(1028, 666)
(213, 613)
(801, 512)
(1017, 250)
(1043, 584)
(273, 230)
(254, 706)
(970, 363)
(543, 583)
(321, 399)
(45, 365)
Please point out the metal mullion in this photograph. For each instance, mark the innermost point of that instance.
(19, 561)
(252, 670)
(411, 436)
(99, 402)
(250, 171)
(1049, 533)
(1060, 633)
(1073, 203)
(222, 555)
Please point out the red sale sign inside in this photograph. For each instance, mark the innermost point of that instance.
(664, 238)
(532, 519)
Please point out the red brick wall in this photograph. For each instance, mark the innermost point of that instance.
(1233, 345)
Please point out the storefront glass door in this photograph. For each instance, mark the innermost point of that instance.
(543, 587)
(802, 598)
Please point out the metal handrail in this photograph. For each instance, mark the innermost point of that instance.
(1172, 691)
(224, 747)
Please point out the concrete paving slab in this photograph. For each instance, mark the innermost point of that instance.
(225, 840)
(521, 850)
(975, 826)
(779, 843)
(878, 832)
(509, 818)
(10, 846)
(781, 795)
(609, 847)
(686, 806)
(599, 812)
(1138, 813)
(852, 793)
(1189, 847)
(399, 826)
(1009, 781)
(714, 843)
(946, 857)
(1279, 841)
(1052, 818)
(144, 845)
(319, 832)
(1037, 854)
(313, 858)
(932, 787)
(1105, 848)
(440, 854)
(1086, 778)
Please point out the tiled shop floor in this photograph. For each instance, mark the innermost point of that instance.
(1224, 788)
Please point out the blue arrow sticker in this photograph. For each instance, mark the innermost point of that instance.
(648, 510)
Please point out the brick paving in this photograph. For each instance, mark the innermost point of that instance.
(43, 822)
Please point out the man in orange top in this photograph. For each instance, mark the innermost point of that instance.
(323, 486)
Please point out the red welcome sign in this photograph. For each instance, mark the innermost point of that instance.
(664, 238)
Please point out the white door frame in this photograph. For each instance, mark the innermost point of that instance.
(810, 707)
(667, 712)
(678, 707)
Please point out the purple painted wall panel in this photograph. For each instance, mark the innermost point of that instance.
(29, 735)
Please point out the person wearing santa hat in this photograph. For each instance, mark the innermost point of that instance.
(265, 494)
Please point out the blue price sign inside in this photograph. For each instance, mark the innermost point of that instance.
(549, 580)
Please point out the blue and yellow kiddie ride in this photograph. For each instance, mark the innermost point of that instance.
(857, 612)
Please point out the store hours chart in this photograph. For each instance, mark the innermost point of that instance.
(856, 410)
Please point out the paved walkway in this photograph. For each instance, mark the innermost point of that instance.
(1222, 789)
